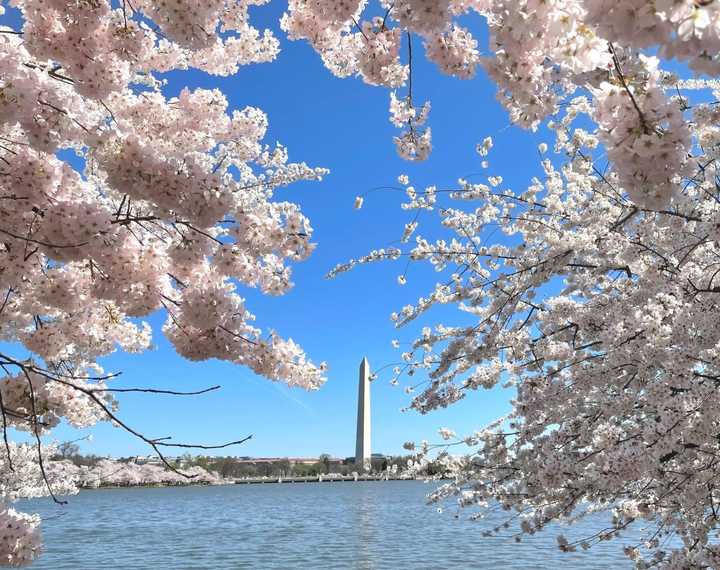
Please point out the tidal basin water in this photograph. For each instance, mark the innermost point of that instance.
(312, 525)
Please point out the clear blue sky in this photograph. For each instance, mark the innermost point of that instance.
(342, 125)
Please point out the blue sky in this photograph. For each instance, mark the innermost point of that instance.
(341, 124)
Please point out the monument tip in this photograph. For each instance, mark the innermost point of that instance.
(365, 367)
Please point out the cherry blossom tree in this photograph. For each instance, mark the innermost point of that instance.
(117, 201)
(107, 472)
(598, 305)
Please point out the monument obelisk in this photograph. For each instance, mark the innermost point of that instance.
(362, 442)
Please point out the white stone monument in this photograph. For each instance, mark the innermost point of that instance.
(362, 441)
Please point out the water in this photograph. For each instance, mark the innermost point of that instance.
(369, 525)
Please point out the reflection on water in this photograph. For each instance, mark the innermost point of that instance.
(366, 525)
(369, 525)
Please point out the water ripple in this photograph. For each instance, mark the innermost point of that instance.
(364, 526)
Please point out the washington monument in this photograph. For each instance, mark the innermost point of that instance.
(362, 442)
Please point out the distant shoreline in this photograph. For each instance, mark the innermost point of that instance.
(319, 479)
(255, 481)
(154, 486)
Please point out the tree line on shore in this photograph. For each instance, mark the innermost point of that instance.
(95, 471)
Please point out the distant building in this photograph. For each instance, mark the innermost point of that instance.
(153, 460)
(290, 460)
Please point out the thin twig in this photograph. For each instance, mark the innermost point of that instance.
(621, 76)
(5, 437)
(39, 242)
(41, 463)
(156, 391)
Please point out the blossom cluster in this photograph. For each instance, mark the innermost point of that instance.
(413, 143)
(20, 538)
(21, 476)
(646, 137)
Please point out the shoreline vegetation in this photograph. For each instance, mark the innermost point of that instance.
(114, 473)
(259, 481)
(93, 472)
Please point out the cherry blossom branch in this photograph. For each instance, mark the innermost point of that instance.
(90, 392)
